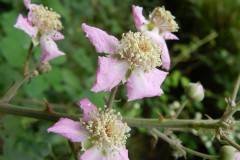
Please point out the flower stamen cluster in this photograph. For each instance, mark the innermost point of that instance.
(163, 19)
(45, 19)
(107, 131)
(140, 51)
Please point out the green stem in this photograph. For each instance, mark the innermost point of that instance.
(26, 63)
(34, 113)
(73, 149)
(176, 145)
(236, 87)
(194, 46)
(231, 112)
(13, 90)
(134, 122)
(112, 97)
(199, 154)
(185, 102)
(229, 141)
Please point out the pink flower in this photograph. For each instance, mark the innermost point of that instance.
(161, 23)
(43, 26)
(102, 133)
(133, 59)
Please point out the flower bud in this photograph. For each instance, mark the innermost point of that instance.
(227, 153)
(195, 91)
(44, 68)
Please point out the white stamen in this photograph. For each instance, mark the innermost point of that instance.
(140, 51)
(163, 19)
(107, 131)
(44, 19)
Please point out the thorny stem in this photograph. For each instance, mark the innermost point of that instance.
(26, 63)
(134, 122)
(112, 97)
(34, 113)
(172, 142)
(185, 102)
(236, 87)
(230, 113)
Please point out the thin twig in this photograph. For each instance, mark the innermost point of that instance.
(230, 113)
(203, 155)
(13, 90)
(26, 62)
(229, 141)
(235, 89)
(173, 143)
(112, 97)
(73, 149)
(185, 102)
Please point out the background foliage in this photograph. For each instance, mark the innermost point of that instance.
(208, 51)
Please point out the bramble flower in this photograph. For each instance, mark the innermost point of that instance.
(133, 59)
(43, 26)
(160, 24)
(102, 133)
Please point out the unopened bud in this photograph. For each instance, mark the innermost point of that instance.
(195, 91)
(34, 73)
(44, 67)
(227, 153)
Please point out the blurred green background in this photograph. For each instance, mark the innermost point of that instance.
(208, 51)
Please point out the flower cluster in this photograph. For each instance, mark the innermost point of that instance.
(43, 26)
(102, 133)
(135, 59)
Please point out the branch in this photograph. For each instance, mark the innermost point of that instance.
(229, 141)
(133, 122)
(26, 63)
(178, 145)
(236, 87)
(13, 90)
(184, 103)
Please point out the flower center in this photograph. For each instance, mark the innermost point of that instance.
(107, 130)
(140, 51)
(44, 19)
(163, 19)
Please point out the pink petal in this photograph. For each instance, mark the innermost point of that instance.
(110, 72)
(139, 19)
(123, 154)
(23, 24)
(169, 36)
(55, 35)
(165, 54)
(87, 107)
(102, 42)
(92, 154)
(28, 4)
(236, 156)
(70, 129)
(49, 48)
(141, 84)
